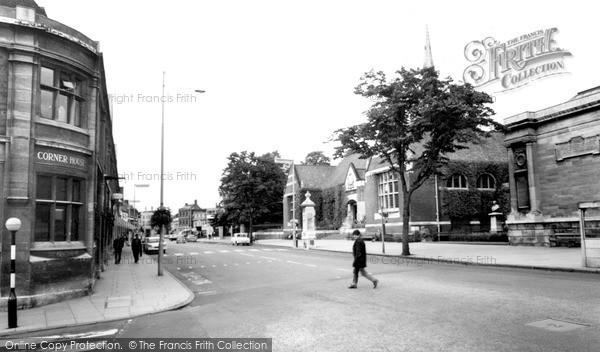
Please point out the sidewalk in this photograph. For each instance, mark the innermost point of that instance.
(123, 291)
(527, 257)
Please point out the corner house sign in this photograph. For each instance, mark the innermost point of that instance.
(60, 157)
(516, 62)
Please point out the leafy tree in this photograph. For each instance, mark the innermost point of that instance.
(161, 217)
(316, 158)
(416, 109)
(252, 188)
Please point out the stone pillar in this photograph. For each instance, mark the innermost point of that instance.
(514, 208)
(534, 199)
(309, 233)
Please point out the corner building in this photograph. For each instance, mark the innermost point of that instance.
(57, 157)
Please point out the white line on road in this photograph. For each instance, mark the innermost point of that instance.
(254, 250)
(291, 262)
(224, 251)
(238, 250)
(312, 265)
(207, 252)
(343, 269)
(178, 254)
(267, 249)
(281, 249)
(207, 293)
(193, 253)
(267, 258)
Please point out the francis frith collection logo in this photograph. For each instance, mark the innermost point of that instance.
(516, 62)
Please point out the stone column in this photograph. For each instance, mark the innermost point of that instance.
(309, 233)
(514, 207)
(531, 178)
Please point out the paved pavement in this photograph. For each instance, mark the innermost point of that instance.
(130, 290)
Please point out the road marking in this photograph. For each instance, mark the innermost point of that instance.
(82, 335)
(312, 265)
(224, 251)
(254, 250)
(267, 249)
(207, 252)
(178, 254)
(238, 250)
(193, 253)
(281, 249)
(343, 269)
(267, 258)
(291, 262)
(201, 282)
(206, 293)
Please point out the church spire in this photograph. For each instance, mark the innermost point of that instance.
(428, 57)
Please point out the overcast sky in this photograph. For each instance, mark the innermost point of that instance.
(280, 75)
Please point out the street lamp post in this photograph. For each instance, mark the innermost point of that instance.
(13, 225)
(136, 212)
(162, 170)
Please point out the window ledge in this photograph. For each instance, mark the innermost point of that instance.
(63, 125)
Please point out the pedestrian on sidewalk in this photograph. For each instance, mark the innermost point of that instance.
(360, 260)
(118, 244)
(136, 247)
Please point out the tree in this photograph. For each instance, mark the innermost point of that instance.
(316, 158)
(416, 109)
(161, 217)
(251, 188)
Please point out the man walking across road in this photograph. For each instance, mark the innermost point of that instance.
(136, 247)
(360, 260)
(118, 244)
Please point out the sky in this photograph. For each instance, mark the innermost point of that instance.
(280, 75)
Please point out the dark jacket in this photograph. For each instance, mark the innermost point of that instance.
(118, 244)
(360, 254)
(136, 245)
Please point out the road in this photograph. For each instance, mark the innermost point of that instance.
(300, 299)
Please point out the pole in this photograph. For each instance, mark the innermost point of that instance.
(12, 299)
(294, 205)
(162, 171)
(437, 207)
(383, 231)
(582, 233)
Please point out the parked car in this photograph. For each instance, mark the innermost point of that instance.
(191, 237)
(172, 236)
(240, 238)
(151, 244)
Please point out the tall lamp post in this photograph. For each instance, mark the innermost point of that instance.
(291, 162)
(162, 170)
(13, 225)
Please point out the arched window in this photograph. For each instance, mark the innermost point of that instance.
(457, 181)
(486, 181)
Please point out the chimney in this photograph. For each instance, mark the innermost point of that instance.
(196, 201)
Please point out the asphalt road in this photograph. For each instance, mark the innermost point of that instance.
(300, 299)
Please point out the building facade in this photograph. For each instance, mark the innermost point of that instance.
(57, 156)
(186, 215)
(355, 193)
(554, 160)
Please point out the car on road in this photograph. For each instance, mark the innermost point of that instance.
(151, 244)
(191, 237)
(240, 238)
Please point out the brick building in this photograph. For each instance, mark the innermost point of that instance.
(57, 156)
(554, 160)
(351, 194)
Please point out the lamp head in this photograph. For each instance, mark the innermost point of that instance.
(13, 224)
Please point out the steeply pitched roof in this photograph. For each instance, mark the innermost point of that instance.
(489, 149)
(325, 176)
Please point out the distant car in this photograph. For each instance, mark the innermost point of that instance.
(240, 238)
(172, 236)
(191, 238)
(151, 244)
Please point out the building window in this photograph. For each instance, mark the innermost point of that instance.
(61, 96)
(388, 190)
(58, 208)
(486, 182)
(457, 181)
